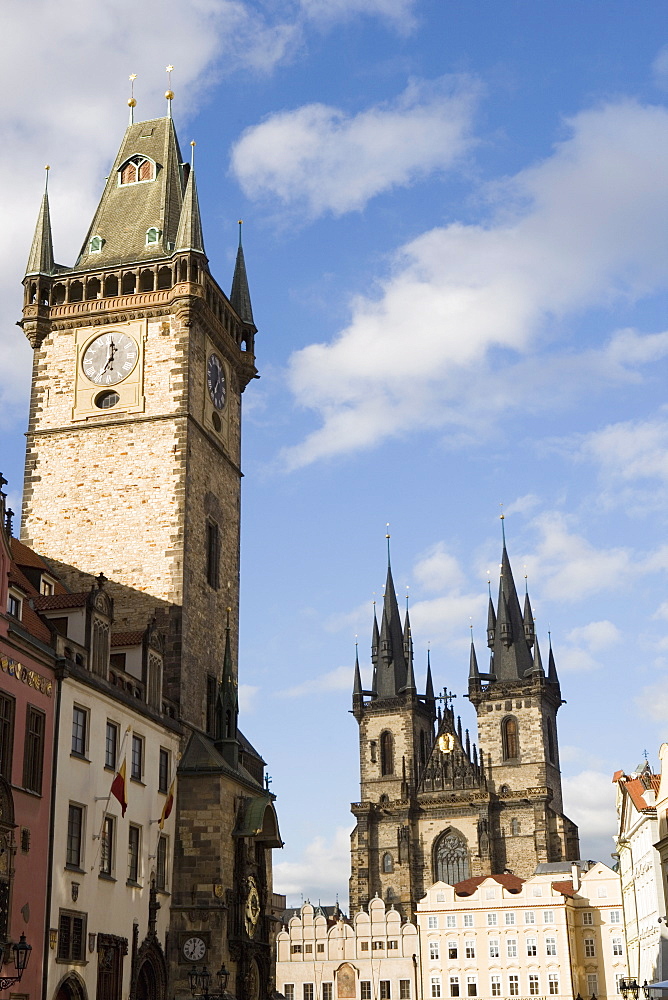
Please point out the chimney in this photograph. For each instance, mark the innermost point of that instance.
(575, 876)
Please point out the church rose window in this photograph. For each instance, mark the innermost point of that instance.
(386, 754)
(452, 860)
(510, 736)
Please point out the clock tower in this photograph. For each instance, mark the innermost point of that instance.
(133, 469)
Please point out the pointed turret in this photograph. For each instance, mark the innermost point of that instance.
(41, 260)
(227, 705)
(529, 628)
(240, 294)
(429, 699)
(491, 623)
(474, 673)
(408, 639)
(552, 667)
(392, 673)
(189, 234)
(358, 697)
(537, 660)
(511, 652)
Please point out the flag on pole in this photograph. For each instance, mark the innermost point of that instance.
(118, 788)
(169, 802)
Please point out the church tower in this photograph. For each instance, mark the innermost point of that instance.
(133, 468)
(434, 806)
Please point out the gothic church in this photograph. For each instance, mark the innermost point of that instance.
(433, 805)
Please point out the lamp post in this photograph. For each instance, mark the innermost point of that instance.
(21, 953)
(200, 981)
(630, 989)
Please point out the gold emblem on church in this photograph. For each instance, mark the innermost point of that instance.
(446, 743)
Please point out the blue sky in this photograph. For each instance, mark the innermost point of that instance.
(456, 233)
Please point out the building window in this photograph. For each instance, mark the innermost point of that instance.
(377, 946)
(510, 738)
(592, 984)
(404, 989)
(491, 919)
(617, 948)
(495, 984)
(534, 985)
(289, 991)
(454, 986)
(551, 946)
(451, 920)
(388, 865)
(548, 916)
(385, 992)
(532, 947)
(295, 949)
(320, 948)
(602, 892)
(432, 922)
(494, 948)
(553, 983)
(134, 838)
(469, 949)
(510, 919)
(588, 917)
(365, 989)
(386, 753)
(327, 991)
(100, 651)
(615, 916)
(71, 936)
(471, 986)
(434, 951)
(514, 827)
(136, 169)
(392, 945)
(14, 606)
(452, 949)
(511, 947)
(111, 746)
(307, 991)
(308, 949)
(33, 753)
(107, 846)
(152, 236)
(96, 244)
(163, 770)
(490, 893)
(364, 945)
(211, 697)
(537, 890)
(513, 985)
(79, 731)
(452, 859)
(529, 917)
(212, 553)
(590, 948)
(161, 864)
(137, 758)
(551, 756)
(468, 920)
(74, 850)
(435, 983)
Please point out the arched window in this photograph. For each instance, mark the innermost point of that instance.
(386, 753)
(388, 863)
(550, 742)
(451, 859)
(96, 244)
(137, 168)
(152, 235)
(510, 738)
(514, 827)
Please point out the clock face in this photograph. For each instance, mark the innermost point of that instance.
(252, 907)
(194, 949)
(110, 358)
(215, 380)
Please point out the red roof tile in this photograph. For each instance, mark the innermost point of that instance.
(54, 602)
(126, 638)
(513, 883)
(565, 888)
(616, 776)
(24, 556)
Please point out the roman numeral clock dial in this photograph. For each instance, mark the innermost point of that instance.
(110, 358)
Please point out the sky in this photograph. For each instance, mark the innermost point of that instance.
(456, 235)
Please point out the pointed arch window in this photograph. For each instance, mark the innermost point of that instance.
(388, 863)
(96, 244)
(510, 738)
(451, 859)
(136, 169)
(386, 753)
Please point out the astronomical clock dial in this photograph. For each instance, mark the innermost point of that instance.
(194, 949)
(252, 907)
(215, 380)
(110, 358)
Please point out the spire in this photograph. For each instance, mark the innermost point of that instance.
(189, 234)
(392, 667)
(511, 650)
(529, 629)
(537, 660)
(430, 701)
(474, 673)
(240, 295)
(358, 697)
(41, 260)
(551, 666)
(227, 705)
(491, 619)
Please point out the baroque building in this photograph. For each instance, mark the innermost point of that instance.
(434, 806)
(132, 479)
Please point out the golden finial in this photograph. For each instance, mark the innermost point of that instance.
(192, 152)
(46, 177)
(169, 93)
(132, 104)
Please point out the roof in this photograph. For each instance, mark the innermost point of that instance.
(127, 638)
(513, 883)
(636, 788)
(566, 888)
(25, 556)
(54, 602)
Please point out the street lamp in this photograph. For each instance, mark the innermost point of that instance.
(21, 952)
(631, 991)
(200, 981)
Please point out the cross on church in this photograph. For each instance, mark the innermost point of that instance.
(447, 697)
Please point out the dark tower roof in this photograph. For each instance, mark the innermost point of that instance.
(511, 651)
(41, 260)
(392, 668)
(240, 294)
(189, 235)
(474, 673)
(127, 211)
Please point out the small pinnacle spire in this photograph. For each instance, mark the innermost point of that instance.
(189, 234)
(132, 104)
(41, 260)
(429, 686)
(240, 294)
(357, 684)
(474, 673)
(537, 659)
(551, 665)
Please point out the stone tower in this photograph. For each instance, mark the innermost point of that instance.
(432, 805)
(133, 468)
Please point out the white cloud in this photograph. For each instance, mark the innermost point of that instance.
(630, 450)
(587, 225)
(653, 700)
(444, 620)
(660, 68)
(589, 800)
(595, 636)
(339, 679)
(322, 871)
(319, 159)
(247, 696)
(436, 569)
(397, 12)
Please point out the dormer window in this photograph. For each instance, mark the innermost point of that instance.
(152, 236)
(136, 169)
(14, 604)
(96, 244)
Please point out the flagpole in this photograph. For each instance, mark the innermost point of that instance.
(98, 798)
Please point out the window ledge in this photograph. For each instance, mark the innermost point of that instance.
(133, 885)
(72, 961)
(80, 756)
(106, 877)
(75, 868)
(138, 781)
